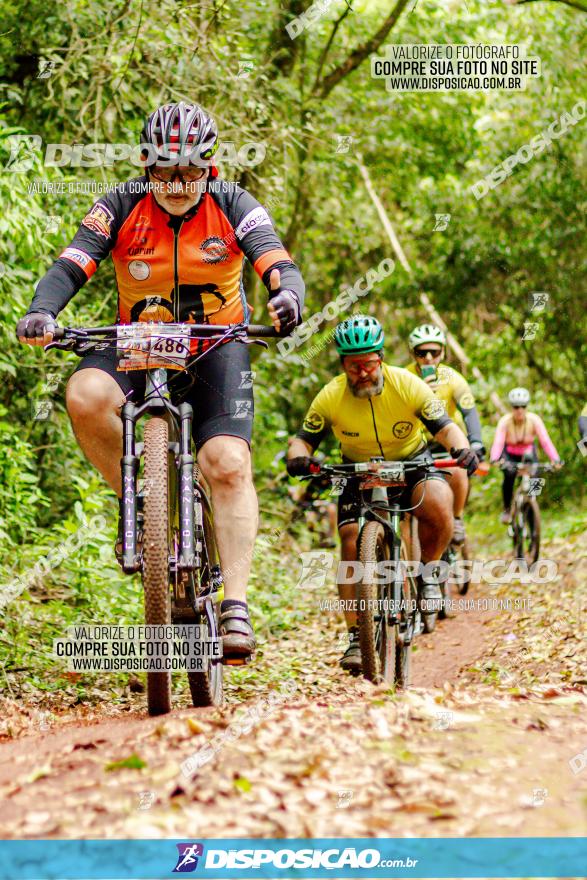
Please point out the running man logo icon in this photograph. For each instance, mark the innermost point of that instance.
(536, 486)
(338, 484)
(46, 70)
(22, 152)
(247, 377)
(344, 143)
(537, 302)
(442, 221)
(187, 860)
(530, 330)
(315, 567)
(243, 409)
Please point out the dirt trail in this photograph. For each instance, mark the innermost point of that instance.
(468, 751)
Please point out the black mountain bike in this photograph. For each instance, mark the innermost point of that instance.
(456, 553)
(178, 557)
(524, 528)
(388, 607)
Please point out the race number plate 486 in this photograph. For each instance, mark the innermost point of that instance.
(144, 346)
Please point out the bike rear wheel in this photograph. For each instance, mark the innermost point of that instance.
(377, 637)
(207, 687)
(156, 552)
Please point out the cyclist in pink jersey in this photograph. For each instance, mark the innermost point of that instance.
(514, 440)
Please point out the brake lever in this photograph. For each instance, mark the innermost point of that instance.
(66, 345)
(256, 342)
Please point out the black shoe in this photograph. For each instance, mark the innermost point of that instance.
(236, 632)
(351, 659)
(430, 598)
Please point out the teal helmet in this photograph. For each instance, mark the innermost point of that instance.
(360, 334)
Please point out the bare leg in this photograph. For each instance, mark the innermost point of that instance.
(226, 466)
(94, 400)
(459, 483)
(435, 520)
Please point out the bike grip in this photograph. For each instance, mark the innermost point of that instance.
(315, 469)
(58, 334)
(446, 463)
(262, 330)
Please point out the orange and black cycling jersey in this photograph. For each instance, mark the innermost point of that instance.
(185, 269)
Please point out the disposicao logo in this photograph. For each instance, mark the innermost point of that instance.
(187, 860)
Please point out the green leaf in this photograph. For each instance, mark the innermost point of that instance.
(133, 762)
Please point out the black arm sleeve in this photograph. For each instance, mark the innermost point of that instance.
(435, 425)
(257, 238)
(95, 238)
(473, 423)
(313, 439)
(583, 426)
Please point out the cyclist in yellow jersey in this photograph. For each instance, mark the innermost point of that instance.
(427, 345)
(375, 409)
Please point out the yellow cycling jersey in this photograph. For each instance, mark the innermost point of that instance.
(390, 424)
(452, 387)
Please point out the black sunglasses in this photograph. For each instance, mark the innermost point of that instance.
(520, 406)
(422, 352)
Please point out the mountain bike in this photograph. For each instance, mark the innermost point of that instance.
(456, 553)
(524, 528)
(388, 606)
(178, 557)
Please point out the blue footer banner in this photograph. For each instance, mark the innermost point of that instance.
(315, 857)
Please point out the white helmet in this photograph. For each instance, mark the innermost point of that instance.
(519, 397)
(426, 333)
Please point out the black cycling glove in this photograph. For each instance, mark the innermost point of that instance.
(35, 325)
(287, 306)
(302, 466)
(466, 459)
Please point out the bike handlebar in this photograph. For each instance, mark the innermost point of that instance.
(373, 468)
(535, 466)
(195, 331)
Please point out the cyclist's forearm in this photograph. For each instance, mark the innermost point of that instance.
(451, 436)
(298, 448)
(56, 288)
(291, 279)
(473, 424)
(546, 443)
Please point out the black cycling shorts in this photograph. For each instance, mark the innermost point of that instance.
(349, 501)
(219, 388)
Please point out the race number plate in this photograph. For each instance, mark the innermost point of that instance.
(145, 346)
(395, 473)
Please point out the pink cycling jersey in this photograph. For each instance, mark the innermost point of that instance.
(533, 427)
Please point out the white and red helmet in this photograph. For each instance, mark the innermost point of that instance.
(182, 133)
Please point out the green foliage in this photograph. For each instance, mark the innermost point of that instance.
(115, 61)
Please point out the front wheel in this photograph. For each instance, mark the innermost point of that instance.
(156, 552)
(528, 532)
(377, 637)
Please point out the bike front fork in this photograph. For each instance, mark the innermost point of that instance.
(188, 558)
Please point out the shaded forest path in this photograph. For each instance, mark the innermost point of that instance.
(482, 745)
